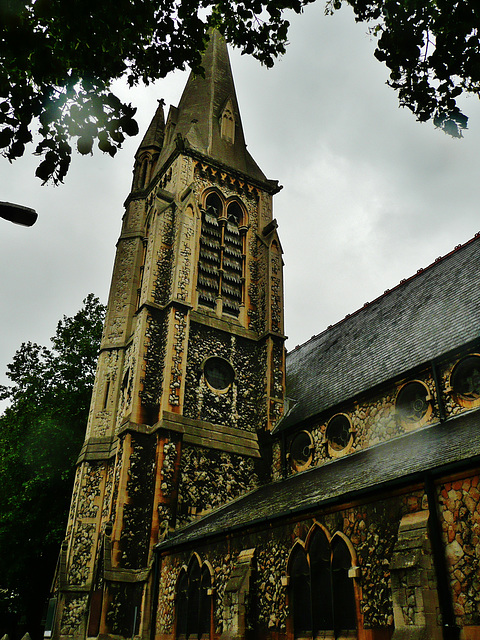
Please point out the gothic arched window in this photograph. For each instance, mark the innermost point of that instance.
(221, 257)
(345, 618)
(319, 553)
(300, 592)
(208, 283)
(193, 609)
(321, 591)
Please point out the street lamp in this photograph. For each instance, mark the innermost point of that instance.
(18, 214)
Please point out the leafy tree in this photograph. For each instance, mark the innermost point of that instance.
(431, 48)
(41, 434)
(58, 60)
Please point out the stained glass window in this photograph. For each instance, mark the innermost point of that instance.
(321, 592)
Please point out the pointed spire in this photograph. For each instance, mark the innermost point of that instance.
(153, 139)
(208, 116)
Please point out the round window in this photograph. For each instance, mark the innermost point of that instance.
(301, 449)
(218, 373)
(413, 402)
(466, 379)
(339, 432)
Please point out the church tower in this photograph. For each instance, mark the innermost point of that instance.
(190, 377)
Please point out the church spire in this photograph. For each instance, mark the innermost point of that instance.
(149, 150)
(208, 118)
(153, 138)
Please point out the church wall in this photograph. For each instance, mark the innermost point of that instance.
(211, 478)
(137, 511)
(374, 417)
(459, 507)
(243, 404)
(371, 528)
(155, 353)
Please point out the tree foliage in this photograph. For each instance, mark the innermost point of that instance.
(431, 48)
(40, 437)
(58, 60)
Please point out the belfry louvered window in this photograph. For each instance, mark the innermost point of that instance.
(221, 261)
(321, 591)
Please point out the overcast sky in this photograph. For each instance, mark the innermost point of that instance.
(369, 196)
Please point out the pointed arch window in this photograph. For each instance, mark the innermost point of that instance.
(222, 256)
(227, 123)
(321, 588)
(193, 609)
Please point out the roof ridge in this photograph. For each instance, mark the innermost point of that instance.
(402, 282)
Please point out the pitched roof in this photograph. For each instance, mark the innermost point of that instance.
(433, 312)
(198, 115)
(439, 449)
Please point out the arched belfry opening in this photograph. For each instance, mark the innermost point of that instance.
(220, 283)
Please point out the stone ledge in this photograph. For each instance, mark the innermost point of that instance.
(97, 449)
(126, 575)
(212, 436)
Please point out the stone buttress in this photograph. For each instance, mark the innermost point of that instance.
(190, 377)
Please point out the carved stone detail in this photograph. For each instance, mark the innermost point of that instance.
(179, 336)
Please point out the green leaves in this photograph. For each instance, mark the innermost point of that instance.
(58, 61)
(431, 49)
(40, 436)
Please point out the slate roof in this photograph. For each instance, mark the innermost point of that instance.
(431, 313)
(439, 449)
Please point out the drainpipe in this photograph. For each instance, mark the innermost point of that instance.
(283, 455)
(153, 613)
(450, 629)
(438, 393)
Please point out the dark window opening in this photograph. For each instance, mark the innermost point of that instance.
(345, 618)
(193, 608)
(301, 449)
(321, 593)
(339, 432)
(107, 391)
(219, 373)
(413, 402)
(300, 594)
(466, 379)
(221, 259)
(322, 605)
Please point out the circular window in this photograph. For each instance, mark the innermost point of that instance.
(413, 403)
(466, 380)
(339, 432)
(301, 450)
(219, 373)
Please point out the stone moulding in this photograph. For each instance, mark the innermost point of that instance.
(212, 436)
(97, 449)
